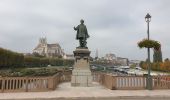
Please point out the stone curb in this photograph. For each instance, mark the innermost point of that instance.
(100, 98)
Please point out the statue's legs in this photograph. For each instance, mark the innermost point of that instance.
(82, 42)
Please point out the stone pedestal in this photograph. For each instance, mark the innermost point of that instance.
(81, 74)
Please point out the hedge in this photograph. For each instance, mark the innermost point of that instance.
(9, 59)
(30, 61)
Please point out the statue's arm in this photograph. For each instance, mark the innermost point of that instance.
(76, 28)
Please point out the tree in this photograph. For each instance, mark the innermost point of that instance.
(167, 59)
(157, 56)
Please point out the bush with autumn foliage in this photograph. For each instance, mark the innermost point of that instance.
(157, 66)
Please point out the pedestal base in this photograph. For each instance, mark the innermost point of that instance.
(81, 74)
(81, 78)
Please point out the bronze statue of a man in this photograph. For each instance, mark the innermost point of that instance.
(82, 34)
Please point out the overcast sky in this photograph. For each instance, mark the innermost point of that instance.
(114, 26)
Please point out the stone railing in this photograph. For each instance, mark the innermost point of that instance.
(30, 84)
(161, 82)
(130, 82)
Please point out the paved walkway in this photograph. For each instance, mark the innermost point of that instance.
(97, 92)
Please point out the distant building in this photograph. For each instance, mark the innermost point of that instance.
(96, 55)
(135, 61)
(48, 50)
(122, 61)
(69, 56)
(111, 60)
(110, 56)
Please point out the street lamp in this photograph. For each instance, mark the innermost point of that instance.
(149, 78)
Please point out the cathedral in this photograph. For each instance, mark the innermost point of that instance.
(48, 50)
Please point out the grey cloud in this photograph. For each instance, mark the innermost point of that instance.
(115, 26)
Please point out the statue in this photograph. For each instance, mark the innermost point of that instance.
(82, 34)
(81, 74)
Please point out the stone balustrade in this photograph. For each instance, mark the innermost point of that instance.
(30, 84)
(130, 82)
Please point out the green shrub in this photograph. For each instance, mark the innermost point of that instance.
(31, 61)
(10, 59)
(145, 43)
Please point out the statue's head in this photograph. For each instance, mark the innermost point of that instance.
(81, 21)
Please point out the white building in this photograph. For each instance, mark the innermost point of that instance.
(69, 56)
(110, 56)
(122, 61)
(48, 50)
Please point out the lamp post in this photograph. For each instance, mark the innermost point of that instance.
(149, 78)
